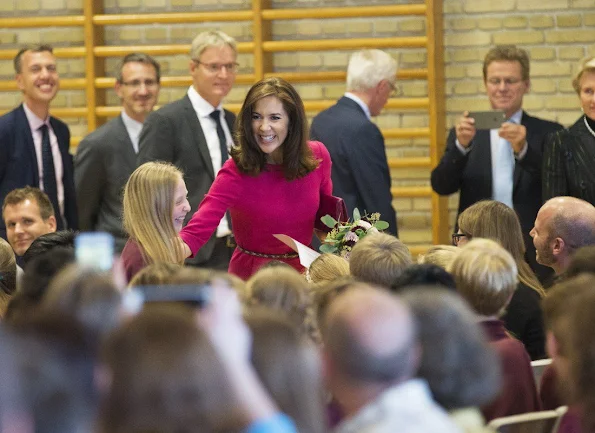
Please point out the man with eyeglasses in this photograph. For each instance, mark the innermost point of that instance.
(34, 146)
(501, 164)
(106, 158)
(195, 134)
(360, 170)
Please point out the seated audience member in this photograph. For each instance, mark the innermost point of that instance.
(563, 225)
(325, 294)
(439, 255)
(36, 279)
(289, 367)
(426, 274)
(558, 307)
(456, 360)
(49, 241)
(27, 213)
(154, 207)
(157, 274)
(379, 259)
(54, 374)
(486, 277)
(326, 268)
(494, 220)
(8, 275)
(371, 356)
(283, 290)
(89, 296)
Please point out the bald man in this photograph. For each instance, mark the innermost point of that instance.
(563, 225)
(371, 356)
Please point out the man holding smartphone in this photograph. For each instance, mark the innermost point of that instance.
(502, 164)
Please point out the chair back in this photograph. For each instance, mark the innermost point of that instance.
(538, 369)
(547, 421)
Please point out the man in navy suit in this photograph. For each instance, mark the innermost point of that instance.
(34, 145)
(360, 171)
(501, 164)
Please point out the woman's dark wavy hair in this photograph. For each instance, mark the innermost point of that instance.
(298, 159)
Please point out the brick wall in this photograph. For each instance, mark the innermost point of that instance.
(557, 34)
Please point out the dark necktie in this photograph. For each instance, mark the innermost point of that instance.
(223, 147)
(222, 141)
(49, 173)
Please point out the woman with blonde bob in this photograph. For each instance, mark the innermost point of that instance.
(155, 206)
(494, 220)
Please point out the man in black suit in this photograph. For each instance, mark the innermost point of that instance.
(502, 164)
(360, 171)
(195, 133)
(106, 158)
(34, 145)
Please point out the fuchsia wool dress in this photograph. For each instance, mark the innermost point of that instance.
(261, 206)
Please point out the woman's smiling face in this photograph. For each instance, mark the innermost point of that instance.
(270, 126)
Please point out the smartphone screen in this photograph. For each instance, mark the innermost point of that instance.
(95, 250)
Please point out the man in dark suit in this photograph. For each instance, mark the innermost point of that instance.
(501, 164)
(360, 171)
(106, 158)
(195, 133)
(34, 145)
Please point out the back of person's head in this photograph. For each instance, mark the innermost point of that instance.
(165, 377)
(426, 274)
(89, 296)
(288, 366)
(326, 268)
(573, 221)
(36, 279)
(324, 294)
(439, 255)
(56, 363)
(456, 360)
(155, 274)
(582, 261)
(8, 271)
(148, 205)
(380, 259)
(367, 68)
(370, 338)
(284, 290)
(47, 242)
(485, 275)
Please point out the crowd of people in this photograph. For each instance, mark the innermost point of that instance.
(207, 322)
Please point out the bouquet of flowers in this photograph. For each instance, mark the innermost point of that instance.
(343, 236)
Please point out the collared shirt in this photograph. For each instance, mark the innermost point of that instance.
(209, 128)
(360, 103)
(133, 127)
(35, 123)
(406, 408)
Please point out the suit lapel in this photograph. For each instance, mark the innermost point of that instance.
(22, 128)
(126, 149)
(199, 137)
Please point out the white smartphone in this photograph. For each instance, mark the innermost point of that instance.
(488, 119)
(95, 250)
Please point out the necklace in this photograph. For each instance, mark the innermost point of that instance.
(588, 127)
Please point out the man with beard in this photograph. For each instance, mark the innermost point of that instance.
(563, 225)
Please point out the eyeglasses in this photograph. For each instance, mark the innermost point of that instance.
(136, 84)
(214, 68)
(507, 81)
(456, 238)
(394, 89)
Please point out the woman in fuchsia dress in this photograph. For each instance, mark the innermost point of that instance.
(271, 184)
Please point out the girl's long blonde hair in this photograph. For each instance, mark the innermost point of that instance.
(148, 208)
(491, 219)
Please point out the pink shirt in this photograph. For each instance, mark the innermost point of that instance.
(261, 206)
(35, 123)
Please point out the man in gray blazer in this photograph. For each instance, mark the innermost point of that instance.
(195, 133)
(106, 158)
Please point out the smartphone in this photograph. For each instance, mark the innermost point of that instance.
(488, 119)
(195, 295)
(95, 250)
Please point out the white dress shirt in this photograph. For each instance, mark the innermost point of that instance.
(133, 127)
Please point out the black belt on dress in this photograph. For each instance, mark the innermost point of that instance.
(269, 256)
